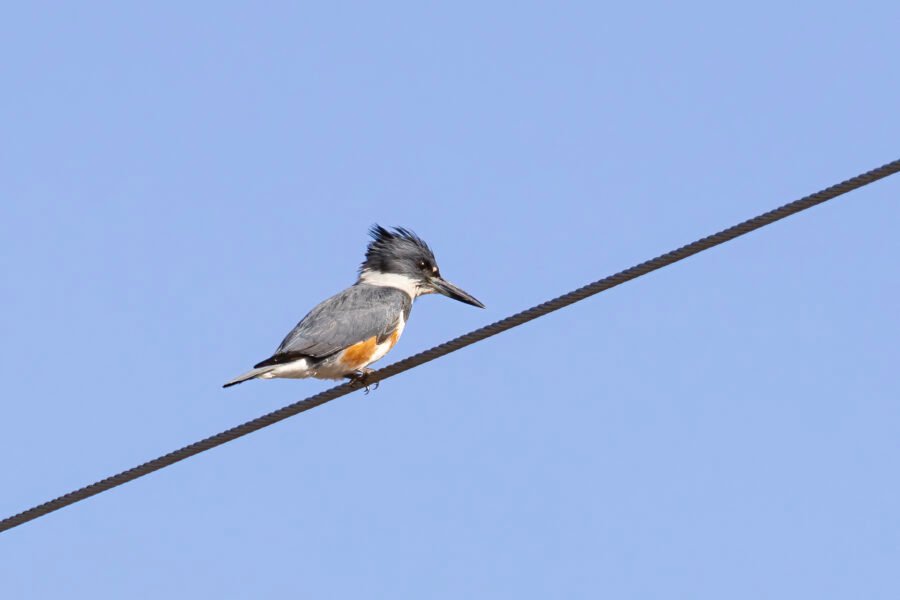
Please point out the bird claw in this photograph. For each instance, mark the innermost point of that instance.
(360, 378)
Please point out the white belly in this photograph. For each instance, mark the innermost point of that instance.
(385, 346)
(330, 368)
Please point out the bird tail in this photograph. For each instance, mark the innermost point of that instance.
(252, 374)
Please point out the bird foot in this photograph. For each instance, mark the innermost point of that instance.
(360, 378)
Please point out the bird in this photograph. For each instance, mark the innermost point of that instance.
(344, 334)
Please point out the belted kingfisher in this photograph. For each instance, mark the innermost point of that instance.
(343, 335)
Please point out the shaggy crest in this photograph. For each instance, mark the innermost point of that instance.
(390, 248)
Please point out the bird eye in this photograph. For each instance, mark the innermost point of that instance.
(423, 264)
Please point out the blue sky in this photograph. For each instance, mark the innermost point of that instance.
(181, 183)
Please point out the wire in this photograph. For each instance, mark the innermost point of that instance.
(454, 345)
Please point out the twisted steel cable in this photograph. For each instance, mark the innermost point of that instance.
(455, 344)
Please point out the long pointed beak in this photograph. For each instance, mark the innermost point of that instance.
(442, 286)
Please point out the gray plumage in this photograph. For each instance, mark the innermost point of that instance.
(399, 251)
(357, 314)
(399, 266)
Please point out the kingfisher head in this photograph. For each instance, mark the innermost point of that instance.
(399, 258)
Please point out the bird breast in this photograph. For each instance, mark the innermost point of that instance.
(362, 354)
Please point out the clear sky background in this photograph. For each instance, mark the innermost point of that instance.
(181, 183)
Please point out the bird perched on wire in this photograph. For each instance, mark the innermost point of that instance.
(343, 335)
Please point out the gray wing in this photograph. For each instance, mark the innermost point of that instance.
(358, 313)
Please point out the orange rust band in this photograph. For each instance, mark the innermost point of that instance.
(358, 355)
(394, 337)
